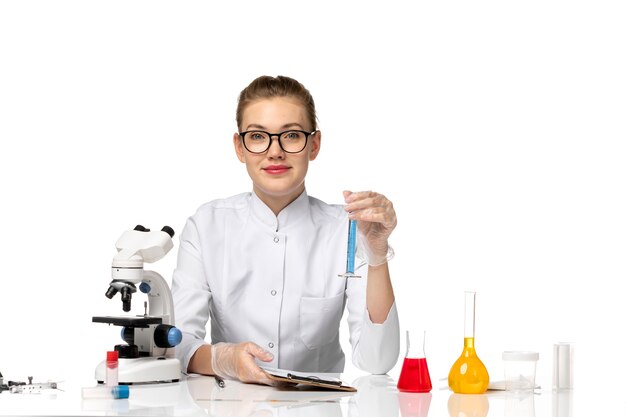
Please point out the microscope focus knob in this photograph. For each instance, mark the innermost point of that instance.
(166, 336)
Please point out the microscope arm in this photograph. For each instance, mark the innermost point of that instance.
(160, 302)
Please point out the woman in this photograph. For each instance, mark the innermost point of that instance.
(264, 265)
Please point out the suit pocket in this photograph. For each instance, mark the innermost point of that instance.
(319, 319)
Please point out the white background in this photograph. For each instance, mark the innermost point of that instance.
(496, 128)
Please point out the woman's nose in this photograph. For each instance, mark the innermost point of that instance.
(275, 151)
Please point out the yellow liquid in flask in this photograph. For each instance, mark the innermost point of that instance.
(468, 375)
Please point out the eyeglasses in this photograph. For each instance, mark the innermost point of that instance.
(290, 141)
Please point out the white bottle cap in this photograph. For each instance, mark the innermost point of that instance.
(519, 355)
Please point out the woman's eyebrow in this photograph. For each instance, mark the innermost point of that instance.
(261, 127)
(288, 125)
(254, 126)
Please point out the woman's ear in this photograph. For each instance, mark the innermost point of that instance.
(316, 143)
(238, 147)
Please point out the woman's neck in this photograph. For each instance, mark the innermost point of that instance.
(277, 203)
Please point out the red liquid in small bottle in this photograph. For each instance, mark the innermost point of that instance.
(414, 376)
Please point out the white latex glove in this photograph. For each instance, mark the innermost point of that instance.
(376, 219)
(237, 361)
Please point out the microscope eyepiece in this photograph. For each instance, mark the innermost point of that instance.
(168, 230)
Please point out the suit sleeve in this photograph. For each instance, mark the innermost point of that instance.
(375, 346)
(191, 294)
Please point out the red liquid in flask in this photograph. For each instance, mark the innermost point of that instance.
(414, 376)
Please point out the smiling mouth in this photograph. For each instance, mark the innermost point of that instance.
(278, 169)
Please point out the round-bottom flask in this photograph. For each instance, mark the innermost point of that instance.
(468, 374)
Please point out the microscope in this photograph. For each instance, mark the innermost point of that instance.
(147, 356)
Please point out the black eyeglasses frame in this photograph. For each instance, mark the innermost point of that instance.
(278, 135)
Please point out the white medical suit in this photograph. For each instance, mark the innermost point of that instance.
(273, 280)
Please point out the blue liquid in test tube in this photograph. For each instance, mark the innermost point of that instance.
(351, 246)
(351, 251)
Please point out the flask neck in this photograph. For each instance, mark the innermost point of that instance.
(468, 343)
(415, 345)
(468, 347)
(470, 300)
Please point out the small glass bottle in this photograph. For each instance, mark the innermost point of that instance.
(112, 369)
(468, 374)
(414, 376)
(108, 393)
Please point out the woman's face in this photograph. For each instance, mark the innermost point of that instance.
(277, 175)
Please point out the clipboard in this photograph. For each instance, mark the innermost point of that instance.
(311, 379)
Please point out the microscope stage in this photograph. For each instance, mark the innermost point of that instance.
(137, 321)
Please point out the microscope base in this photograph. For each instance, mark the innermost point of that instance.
(143, 370)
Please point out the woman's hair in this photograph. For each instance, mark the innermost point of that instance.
(280, 86)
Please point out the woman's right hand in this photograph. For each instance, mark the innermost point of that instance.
(237, 361)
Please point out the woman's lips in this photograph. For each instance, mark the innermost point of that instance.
(276, 169)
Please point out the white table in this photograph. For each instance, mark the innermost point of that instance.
(377, 396)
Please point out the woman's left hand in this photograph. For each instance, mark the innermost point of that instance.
(376, 220)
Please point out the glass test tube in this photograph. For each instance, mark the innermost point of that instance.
(111, 369)
(351, 252)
